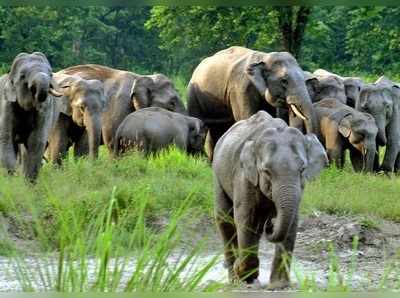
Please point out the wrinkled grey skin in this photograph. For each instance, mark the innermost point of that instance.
(127, 92)
(342, 128)
(382, 101)
(260, 168)
(352, 86)
(325, 86)
(237, 82)
(26, 111)
(78, 121)
(152, 129)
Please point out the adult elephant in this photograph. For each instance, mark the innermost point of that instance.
(26, 111)
(325, 86)
(352, 86)
(340, 128)
(127, 92)
(78, 121)
(237, 82)
(261, 166)
(382, 101)
(153, 129)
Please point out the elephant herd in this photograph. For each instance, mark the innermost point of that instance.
(266, 125)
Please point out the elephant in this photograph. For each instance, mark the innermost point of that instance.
(325, 86)
(237, 82)
(127, 92)
(260, 168)
(152, 129)
(27, 106)
(352, 86)
(341, 127)
(382, 101)
(78, 121)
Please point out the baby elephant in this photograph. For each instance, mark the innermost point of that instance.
(260, 166)
(152, 129)
(342, 127)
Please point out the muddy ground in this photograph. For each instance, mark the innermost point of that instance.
(325, 255)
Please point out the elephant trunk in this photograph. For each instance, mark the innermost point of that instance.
(93, 128)
(369, 157)
(302, 107)
(287, 199)
(381, 137)
(39, 85)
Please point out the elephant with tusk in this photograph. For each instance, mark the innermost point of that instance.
(78, 121)
(236, 83)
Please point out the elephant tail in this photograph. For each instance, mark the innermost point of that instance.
(116, 147)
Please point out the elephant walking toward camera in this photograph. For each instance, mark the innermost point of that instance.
(382, 101)
(260, 168)
(127, 92)
(152, 129)
(342, 127)
(236, 83)
(78, 121)
(27, 108)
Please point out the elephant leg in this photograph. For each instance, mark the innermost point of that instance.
(59, 142)
(397, 164)
(357, 160)
(81, 146)
(280, 271)
(213, 135)
(226, 228)
(376, 160)
(249, 230)
(335, 149)
(32, 156)
(8, 156)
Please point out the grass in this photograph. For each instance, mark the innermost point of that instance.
(103, 214)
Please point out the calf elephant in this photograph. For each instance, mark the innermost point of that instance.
(78, 121)
(26, 111)
(260, 167)
(237, 82)
(152, 129)
(352, 86)
(342, 127)
(126, 92)
(382, 101)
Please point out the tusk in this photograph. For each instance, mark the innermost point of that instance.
(298, 113)
(55, 93)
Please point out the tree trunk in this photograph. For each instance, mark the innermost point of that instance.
(292, 23)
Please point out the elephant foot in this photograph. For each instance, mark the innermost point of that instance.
(279, 285)
(254, 285)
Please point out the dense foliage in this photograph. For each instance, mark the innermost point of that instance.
(173, 40)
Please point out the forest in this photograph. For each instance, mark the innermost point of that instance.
(173, 40)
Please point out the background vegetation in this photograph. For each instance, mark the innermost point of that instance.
(172, 40)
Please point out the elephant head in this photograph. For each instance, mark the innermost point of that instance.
(352, 86)
(325, 86)
(30, 81)
(156, 91)
(379, 100)
(196, 135)
(360, 130)
(279, 78)
(279, 162)
(84, 101)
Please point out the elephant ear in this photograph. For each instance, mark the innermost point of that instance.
(248, 162)
(312, 83)
(195, 136)
(64, 84)
(316, 156)
(256, 72)
(141, 92)
(345, 126)
(99, 87)
(9, 91)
